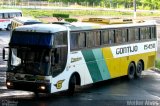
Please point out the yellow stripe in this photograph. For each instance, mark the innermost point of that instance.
(119, 66)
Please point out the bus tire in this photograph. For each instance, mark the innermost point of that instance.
(72, 84)
(8, 27)
(139, 69)
(131, 71)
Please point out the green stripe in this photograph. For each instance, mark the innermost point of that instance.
(101, 64)
(92, 65)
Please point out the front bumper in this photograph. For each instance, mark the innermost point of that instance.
(29, 86)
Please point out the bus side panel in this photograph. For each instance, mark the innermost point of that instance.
(78, 64)
(113, 64)
(151, 60)
(124, 65)
(96, 64)
(4, 23)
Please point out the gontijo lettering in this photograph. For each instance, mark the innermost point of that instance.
(128, 49)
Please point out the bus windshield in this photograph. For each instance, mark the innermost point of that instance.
(29, 61)
(38, 53)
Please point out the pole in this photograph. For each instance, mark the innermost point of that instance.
(134, 4)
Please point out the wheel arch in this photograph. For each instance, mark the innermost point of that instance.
(78, 78)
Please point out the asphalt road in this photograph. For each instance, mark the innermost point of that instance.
(108, 93)
(144, 91)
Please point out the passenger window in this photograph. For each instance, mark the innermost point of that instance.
(131, 34)
(1, 16)
(12, 15)
(124, 35)
(137, 34)
(74, 40)
(96, 35)
(143, 33)
(81, 40)
(105, 37)
(6, 15)
(153, 32)
(118, 36)
(18, 14)
(90, 39)
(111, 36)
(148, 34)
(77, 40)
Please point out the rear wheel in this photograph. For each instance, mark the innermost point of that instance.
(8, 27)
(72, 84)
(131, 71)
(139, 69)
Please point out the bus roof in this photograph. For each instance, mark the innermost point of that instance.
(25, 20)
(52, 28)
(9, 10)
(87, 26)
(44, 28)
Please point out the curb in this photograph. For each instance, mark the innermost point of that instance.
(156, 70)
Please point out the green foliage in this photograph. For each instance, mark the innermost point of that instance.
(157, 63)
(146, 4)
(81, 13)
(71, 19)
(61, 16)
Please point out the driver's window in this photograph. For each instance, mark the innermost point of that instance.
(59, 53)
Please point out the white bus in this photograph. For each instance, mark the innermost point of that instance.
(6, 16)
(48, 58)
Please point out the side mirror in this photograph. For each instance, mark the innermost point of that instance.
(5, 53)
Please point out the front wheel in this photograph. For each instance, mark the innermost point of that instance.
(8, 27)
(72, 84)
(131, 71)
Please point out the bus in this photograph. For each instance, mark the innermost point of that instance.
(19, 21)
(49, 58)
(5, 17)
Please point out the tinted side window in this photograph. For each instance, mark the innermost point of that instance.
(143, 33)
(153, 32)
(118, 36)
(12, 15)
(60, 39)
(6, 15)
(90, 39)
(74, 40)
(96, 35)
(148, 34)
(1, 16)
(81, 40)
(124, 35)
(111, 36)
(137, 34)
(77, 40)
(131, 34)
(18, 14)
(105, 37)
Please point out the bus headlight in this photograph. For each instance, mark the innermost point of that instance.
(42, 87)
(9, 83)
